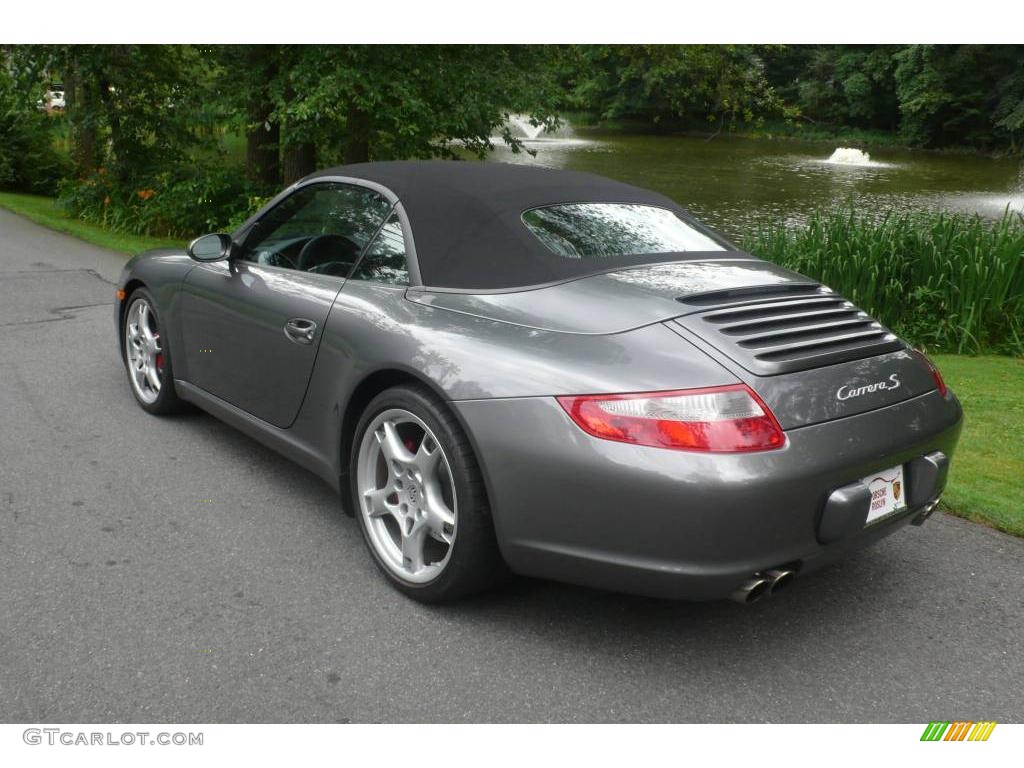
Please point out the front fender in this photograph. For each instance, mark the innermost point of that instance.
(161, 272)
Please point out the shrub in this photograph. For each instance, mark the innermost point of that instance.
(946, 282)
(193, 202)
(29, 162)
(183, 202)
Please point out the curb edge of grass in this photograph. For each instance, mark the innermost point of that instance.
(44, 212)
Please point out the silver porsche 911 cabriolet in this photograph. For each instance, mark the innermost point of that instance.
(505, 368)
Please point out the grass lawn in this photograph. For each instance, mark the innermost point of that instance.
(987, 479)
(44, 211)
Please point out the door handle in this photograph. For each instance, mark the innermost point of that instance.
(300, 330)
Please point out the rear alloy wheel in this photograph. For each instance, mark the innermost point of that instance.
(408, 496)
(146, 358)
(420, 500)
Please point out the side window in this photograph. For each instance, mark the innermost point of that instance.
(321, 228)
(385, 260)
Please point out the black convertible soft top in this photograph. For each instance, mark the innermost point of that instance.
(466, 219)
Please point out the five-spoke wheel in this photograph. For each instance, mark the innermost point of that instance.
(419, 497)
(408, 495)
(146, 357)
(143, 350)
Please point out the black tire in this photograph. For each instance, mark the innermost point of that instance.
(475, 563)
(167, 402)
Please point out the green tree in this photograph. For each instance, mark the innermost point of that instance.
(930, 95)
(306, 105)
(130, 108)
(675, 85)
(847, 85)
(29, 159)
(966, 94)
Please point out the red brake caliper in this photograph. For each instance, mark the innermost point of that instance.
(159, 357)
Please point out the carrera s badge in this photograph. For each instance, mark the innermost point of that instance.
(846, 392)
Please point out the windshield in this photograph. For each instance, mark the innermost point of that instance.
(602, 230)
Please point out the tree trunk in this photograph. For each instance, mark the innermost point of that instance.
(299, 161)
(262, 153)
(118, 157)
(357, 139)
(262, 163)
(80, 109)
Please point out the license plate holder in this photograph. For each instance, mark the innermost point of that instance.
(888, 493)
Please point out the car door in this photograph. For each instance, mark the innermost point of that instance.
(251, 325)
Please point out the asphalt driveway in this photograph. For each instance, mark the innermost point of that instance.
(173, 570)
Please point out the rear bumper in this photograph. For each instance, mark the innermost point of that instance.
(677, 524)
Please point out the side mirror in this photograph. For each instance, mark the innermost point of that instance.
(210, 247)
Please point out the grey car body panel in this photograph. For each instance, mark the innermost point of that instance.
(807, 397)
(565, 505)
(615, 301)
(232, 325)
(162, 271)
(467, 357)
(677, 523)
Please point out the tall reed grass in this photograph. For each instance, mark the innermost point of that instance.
(944, 282)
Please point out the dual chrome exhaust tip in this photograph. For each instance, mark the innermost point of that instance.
(764, 584)
(768, 583)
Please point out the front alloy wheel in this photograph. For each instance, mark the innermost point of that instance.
(143, 351)
(147, 358)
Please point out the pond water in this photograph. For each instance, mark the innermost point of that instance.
(734, 184)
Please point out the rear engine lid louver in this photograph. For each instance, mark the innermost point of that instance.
(784, 328)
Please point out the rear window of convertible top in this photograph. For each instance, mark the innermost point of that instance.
(602, 230)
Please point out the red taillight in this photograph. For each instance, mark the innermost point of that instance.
(939, 382)
(722, 419)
